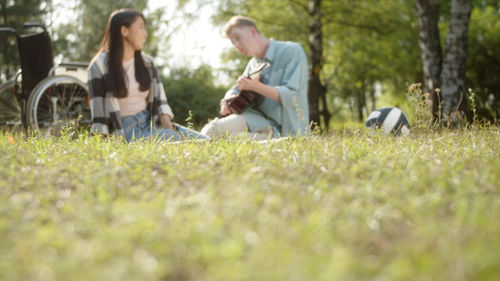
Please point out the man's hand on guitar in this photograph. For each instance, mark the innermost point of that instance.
(248, 84)
(224, 108)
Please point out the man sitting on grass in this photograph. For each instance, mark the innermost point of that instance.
(284, 109)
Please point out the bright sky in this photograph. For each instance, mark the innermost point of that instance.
(191, 45)
(196, 43)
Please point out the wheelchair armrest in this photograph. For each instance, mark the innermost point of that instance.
(76, 70)
(34, 24)
(74, 64)
(8, 29)
(69, 66)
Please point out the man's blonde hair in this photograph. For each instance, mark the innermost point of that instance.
(238, 21)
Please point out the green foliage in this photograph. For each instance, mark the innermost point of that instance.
(364, 43)
(275, 19)
(483, 64)
(418, 110)
(369, 43)
(347, 206)
(79, 40)
(193, 90)
(370, 47)
(235, 62)
(14, 14)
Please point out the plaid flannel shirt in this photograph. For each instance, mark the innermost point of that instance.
(106, 118)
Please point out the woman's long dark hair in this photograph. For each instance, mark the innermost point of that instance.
(112, 42)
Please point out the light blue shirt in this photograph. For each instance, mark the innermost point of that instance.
(288, 73)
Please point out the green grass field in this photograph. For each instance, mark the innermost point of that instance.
(347, 206)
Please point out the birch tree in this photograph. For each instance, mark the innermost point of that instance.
(444, 71)
(431, 53)
(455, 57)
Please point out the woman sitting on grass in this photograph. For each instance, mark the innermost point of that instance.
(126, 94)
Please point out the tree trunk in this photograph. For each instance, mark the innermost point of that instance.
(373, 99)
(430, 46)
(5, 49)
(4, 12)
(361, 97)
(454, 64)
(317, 91)
(360, 105)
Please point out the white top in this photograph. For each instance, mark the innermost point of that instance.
(135, 102)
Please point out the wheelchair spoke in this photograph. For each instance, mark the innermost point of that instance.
(46, 111)
(61, 102)
(10, 108)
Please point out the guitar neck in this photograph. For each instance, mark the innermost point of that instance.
(260, 67)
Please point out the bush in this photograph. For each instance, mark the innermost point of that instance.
(195, 91)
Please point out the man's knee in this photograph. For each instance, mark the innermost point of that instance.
(231, 124)
(214, 128)
(209, 128)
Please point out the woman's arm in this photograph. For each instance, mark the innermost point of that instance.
(97, 93)
(160, 98)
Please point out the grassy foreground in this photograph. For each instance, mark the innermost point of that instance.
(348, 206)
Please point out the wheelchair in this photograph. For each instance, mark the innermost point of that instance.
(42, 95)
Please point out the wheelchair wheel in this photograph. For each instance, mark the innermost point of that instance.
(58, 101)
(10, 108)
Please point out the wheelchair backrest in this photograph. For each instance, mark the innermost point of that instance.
(35, 52)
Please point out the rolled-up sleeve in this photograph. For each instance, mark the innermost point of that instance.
(294, 77)
(293, 91)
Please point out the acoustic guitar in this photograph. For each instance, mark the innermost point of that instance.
(245, 99)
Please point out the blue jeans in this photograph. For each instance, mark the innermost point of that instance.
(138, 126)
